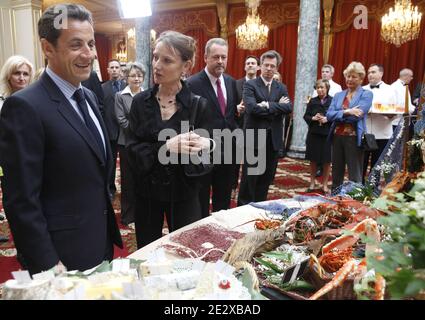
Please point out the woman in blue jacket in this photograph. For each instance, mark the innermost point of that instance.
(348, 112)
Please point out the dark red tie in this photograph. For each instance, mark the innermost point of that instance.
(220, 97)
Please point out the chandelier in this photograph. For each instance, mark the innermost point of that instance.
(252, 35)
(131, 34)
(401, 23)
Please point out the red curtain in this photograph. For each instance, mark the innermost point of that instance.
(104, 54)
(283, 40)
(201, 39)
(366, 46)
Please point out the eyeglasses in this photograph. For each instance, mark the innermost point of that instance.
(136, 76)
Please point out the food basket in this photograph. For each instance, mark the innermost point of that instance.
(319, 277)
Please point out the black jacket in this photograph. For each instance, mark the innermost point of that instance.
(200, 84)
(255, 91)
(109, 116)
(313, 107)
(156, 180)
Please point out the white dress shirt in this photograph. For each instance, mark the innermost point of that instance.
(378, 124)
(213, 81)
(400, 95)
(68, 91)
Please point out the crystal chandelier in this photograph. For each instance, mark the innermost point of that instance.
(401, 23)
(252, 35)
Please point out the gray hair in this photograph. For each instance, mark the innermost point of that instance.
(10, 66)
(330, 67)
(46, 24)
(134, 65)
(271, 54)
(217, 41)
(405, 72)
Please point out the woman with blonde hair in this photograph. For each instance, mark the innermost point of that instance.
(15, 75)
(348, 111)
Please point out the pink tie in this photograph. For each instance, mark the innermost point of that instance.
(220, 97)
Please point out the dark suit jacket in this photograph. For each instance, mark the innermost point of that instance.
(239, 89)
(255, 91)
(93, 83)
(200, 84)
(55, 188)
(110, 118)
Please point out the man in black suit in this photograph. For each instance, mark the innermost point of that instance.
(266, 102)
(110, 88)
(220, 89)
(252, 65)
(56, 156)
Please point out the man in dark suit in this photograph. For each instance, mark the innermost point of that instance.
(220, 89)
(110, 88)
(56, 157)
(266, 101)
(252, 65)
(93, 83)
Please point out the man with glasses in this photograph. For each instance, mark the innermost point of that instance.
(266, 102)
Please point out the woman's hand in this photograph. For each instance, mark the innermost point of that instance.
(187, 143)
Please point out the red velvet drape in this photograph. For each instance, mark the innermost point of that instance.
(201, 39)
(366, 46)
(283, 40)
(104, 53)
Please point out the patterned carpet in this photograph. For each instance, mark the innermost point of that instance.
(291, 178)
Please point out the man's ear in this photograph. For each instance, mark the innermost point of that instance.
(48, 48)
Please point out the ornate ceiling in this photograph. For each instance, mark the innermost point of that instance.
(108, 21)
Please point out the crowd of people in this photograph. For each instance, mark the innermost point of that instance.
(60, 137)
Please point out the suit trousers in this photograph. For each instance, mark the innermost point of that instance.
(345, 152)
(128, 196)
(150, 217)
(220, 181)
(374, 155)
(254, 188)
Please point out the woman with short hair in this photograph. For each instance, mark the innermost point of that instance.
(348, 112)
(134, 74)
(318, 149)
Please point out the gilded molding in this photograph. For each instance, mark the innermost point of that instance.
(181, 21)
(272, 14)
(327, 35)
(344, 9)
(222, 16)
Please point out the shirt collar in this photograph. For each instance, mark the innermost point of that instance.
(67, 88)
(265, 81)
(127, 90)
(212, 78)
